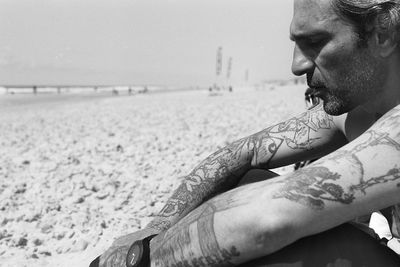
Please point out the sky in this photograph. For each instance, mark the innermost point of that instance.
(128, 42)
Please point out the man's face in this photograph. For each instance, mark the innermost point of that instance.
(343, 73)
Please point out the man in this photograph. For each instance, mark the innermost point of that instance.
(349, 50)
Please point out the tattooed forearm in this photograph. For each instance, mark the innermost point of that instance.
(312, 186)
(317, 184)
(295, 133)
(207, 178)
(175, 247)
(391, 175)
(308, 188)
(222, 170)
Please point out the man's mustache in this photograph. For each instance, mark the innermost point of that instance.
(314, 83)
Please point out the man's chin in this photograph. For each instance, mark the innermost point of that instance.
(334, 108)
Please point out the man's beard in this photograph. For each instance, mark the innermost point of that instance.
(359, 83)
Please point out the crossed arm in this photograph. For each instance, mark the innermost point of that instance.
(306, 136)
(255, 220)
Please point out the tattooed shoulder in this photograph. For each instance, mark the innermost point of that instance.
(390, 123)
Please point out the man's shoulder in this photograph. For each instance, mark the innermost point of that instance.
(392, 114)
(390, 122)
(356, 122)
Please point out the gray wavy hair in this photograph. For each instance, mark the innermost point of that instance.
(367, 15)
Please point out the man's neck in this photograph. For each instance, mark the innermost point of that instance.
(388, 98)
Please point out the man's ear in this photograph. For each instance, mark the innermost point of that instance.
(386, 42)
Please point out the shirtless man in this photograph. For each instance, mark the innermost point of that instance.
(349, 50)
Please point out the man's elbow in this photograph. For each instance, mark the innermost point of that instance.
(274, 233)
(258, 233)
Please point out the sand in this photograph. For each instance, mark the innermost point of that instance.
(77, 172)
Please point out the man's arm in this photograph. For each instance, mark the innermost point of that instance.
(306, 136)
(255, 220)
(309, 135)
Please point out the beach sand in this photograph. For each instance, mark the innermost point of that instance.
(77, 172)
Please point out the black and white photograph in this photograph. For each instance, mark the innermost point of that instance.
(200, 133)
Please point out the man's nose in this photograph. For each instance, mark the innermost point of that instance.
(301, 63)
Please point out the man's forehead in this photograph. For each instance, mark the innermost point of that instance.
(313, 16)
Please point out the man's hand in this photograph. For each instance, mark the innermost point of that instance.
(116, 254)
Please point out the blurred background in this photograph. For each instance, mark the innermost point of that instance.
(91, 146)
(155, 42)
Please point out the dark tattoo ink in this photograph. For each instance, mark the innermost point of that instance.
(159, 225)
(223, 169)
(205, 179)
(391, 175)
(175, 248)
(315, 185)
(295, 133)
(312, 186)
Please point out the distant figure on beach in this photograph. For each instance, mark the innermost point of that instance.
(215, 90)
(144, 90)
(232, 210)
(115, 91)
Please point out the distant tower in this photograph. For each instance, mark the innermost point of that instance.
(218, 69)
(219, 61)
(246, 76)
(228, 74)
(229, 69)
